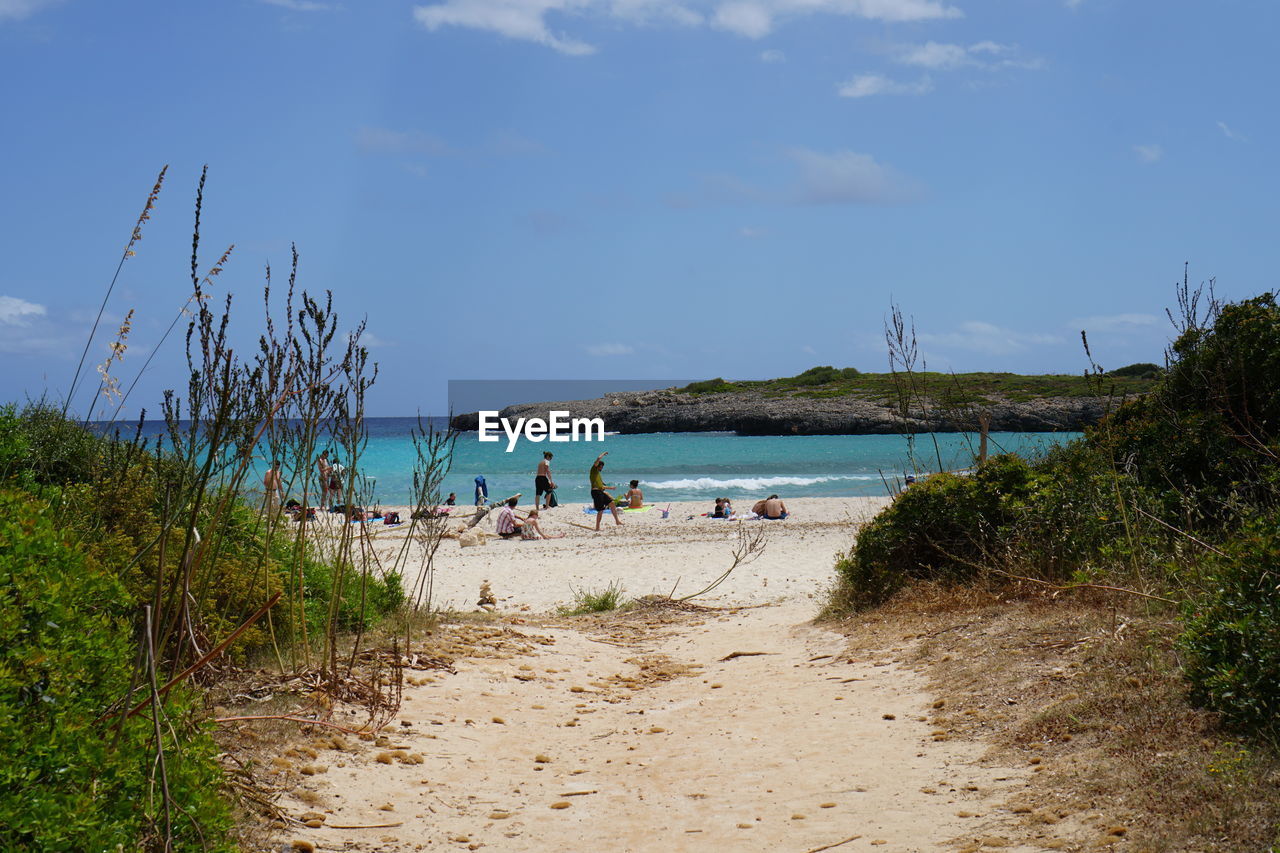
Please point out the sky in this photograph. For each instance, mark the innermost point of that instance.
(601, 189)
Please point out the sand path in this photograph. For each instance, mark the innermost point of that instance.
(656, 742)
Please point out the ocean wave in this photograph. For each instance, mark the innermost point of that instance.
(748, 484)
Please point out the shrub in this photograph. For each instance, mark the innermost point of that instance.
(68, 782)
(941, 529)
(1232, 637)
(708, 386)
(816, 376)
(1141, 370)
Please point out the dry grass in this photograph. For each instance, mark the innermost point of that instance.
(1087, 692)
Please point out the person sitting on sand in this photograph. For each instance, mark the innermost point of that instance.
(509, 525)
(634, 497)
(532, 530)
(771, 508)
(452, 500)
(600, 496)
(719, 512)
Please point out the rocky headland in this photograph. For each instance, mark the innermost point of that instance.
(774, 413)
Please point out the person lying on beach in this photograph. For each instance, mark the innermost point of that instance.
(771, 508)
(634, 497)
(532, 530)
(600, 496)
(509, 525)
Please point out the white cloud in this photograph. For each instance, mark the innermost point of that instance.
(18, 312)
(1148, 153)
(847, 177)
(1114, 322)
(935, 55)
(654, 11)
(528, 20)
(987, 55)
(773, 56)
(371, 341)
(751, 233)
(609, 349)
(16, 10)
(381, 140)
(1231, 134)
(745, 18)
(866, 85)
(524, 20)
(979, 336)
(808, 350)
(302, 5)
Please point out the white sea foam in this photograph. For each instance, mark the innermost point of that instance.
(747, 484)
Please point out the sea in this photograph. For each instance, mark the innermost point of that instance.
(687, 466)
(691, 466)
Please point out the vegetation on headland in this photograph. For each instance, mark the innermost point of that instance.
(947, 388)
(1171, 505)
(132, 571)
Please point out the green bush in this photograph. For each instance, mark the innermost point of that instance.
(940, 529)
(708, 386)
(69, 781)
(1232, 637)
(1141, 370)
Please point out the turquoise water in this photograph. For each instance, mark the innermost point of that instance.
(685, 466)
(688, 466)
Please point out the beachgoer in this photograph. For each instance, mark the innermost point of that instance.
(508, 524)
(719, 512)
(542, 483)
(909, 481)
(634, 497)
(600, 496)
(452, 500)
(771, 508)
(274, 487)
(336, 472)
(322, 469)
(532, 530)
(482, 491)
(728, 508)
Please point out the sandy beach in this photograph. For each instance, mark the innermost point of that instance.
(646, 555)
(734, 723)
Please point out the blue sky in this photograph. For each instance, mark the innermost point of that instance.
(637, 188)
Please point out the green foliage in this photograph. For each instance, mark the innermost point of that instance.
(943, 528)
(70, 782)
(1140, 370)
(593, 601)
(1232, 637)
(826, 381)
(708, 386)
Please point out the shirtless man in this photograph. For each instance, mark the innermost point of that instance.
(325, 471)
(274, 487)
(771, 508)
(542, 483)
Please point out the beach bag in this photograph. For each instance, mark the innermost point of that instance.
(551, 498)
